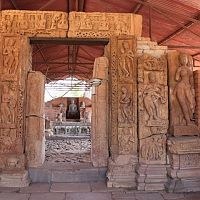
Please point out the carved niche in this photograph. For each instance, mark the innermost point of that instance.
(103, 25)
(152, 108)
(124, 96)
(12, 101)
(182, 95)
(34, 23)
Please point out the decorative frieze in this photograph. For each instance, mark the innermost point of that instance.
(104, 25)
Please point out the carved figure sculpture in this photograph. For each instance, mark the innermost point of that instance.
(7, 105)
(151, 96)
(153, 150)
(73, 110)
(125, 106)
(184, 90)
(10, 56)
(126, 59)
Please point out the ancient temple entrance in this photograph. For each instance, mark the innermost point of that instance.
(70, 120)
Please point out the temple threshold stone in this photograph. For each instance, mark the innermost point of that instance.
(14, 179)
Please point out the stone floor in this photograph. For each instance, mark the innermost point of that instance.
(86, 191)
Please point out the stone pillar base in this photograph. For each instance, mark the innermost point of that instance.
(121, 172)
(151, 177)
(14, 179)
(184, 170)
(183, 180)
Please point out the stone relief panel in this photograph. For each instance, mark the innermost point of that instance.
(103, 25)
(13, 69)
(123, 115)
(182, 95)
(34, 23)
(152, 108)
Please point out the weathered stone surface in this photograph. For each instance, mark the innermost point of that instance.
(123, 136)
(36, 188)
(14, 196)
(184, 158)
(182, 95)
(35, 137)
(184, 145)
(14, 179)
(48, 196)
(70, 187)
(103, 25)
(14, 68)
(99, 133)
(34, 23)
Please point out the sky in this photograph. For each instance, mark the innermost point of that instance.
(70, 87)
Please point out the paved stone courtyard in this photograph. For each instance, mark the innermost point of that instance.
(86, 191)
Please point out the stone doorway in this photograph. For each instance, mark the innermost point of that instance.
(98, 127)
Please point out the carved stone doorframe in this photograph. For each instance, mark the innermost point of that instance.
(17, 27)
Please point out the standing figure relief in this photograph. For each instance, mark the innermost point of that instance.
(7, 106)
(126, 60)
(184, 92)
(125, 106)
(152, 95)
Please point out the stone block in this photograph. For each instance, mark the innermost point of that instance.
(70, 187)
(14, 179)
(88, 196)
(47, 196)
(36, 188)
(40, 175)
(14, 196)
(103, 25)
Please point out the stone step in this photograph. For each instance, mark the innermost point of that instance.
(46, 175)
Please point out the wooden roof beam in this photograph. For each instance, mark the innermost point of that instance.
(138, 7)
(178, 31)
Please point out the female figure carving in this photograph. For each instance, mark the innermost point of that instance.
(184, 90)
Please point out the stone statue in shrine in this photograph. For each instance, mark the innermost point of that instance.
(73, 110)
(184, 91)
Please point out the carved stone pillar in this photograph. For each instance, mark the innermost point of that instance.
(153, 121)
(99, 134)
(35, 137)
(197, 96)
(123, 117)
(14, 67)
(184, 152)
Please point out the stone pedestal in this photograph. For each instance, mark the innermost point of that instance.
(184, 170)
(122, 172)
(151, 177)
(14, 179)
